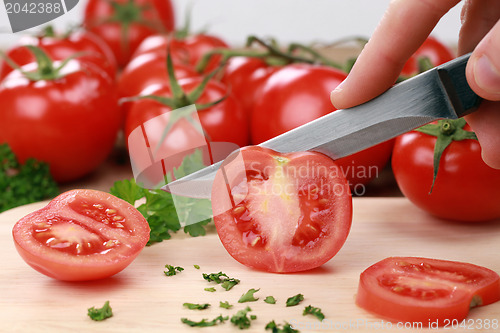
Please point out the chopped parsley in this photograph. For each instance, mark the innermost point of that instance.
(225, 281)
(248, 296)
(195, 306)
(225, 305)
(211, 289)
(205, 322)
(294, 300)
(241, 320)
(314, 311)
(171, 270)
(100, 313)
(270, 300)
(276, 328)
(196, 266)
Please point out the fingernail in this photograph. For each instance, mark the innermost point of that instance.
(336, 91)
(487, 76)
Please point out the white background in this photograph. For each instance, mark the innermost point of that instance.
(287, 20)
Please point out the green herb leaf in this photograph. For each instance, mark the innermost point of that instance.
(314, 311)
(196, 266)
(205, 322)
(225, 281)
(294, 300)
(127, 190)
(23, 184)
(195, 306)
(171, 270)
(285, 328)
(270, 300)
(248, 296)
(225, 305)
(241, 320)
(211, 289)
(101, 313)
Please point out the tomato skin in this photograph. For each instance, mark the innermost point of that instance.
(245, 76)
(437, 52)
(298, 94)
(71, 122)
(427, 291)
(125, 243)
(466, 189)
(62, 47)
(281, 213)
(187, 51)
(123, 41)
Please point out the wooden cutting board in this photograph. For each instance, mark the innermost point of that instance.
(144, 299)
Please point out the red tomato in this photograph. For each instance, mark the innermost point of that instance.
(466, 189)
(70, 122)
(281, 212)
(427, 291)
(187, 51)
(146, 70)
(124, 24)
(81, 235)
(298, 94)
(245, 76)
(433, 49)
(61, 47)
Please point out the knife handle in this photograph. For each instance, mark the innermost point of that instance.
(462, 97)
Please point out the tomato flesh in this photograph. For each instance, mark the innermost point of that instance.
(282, 212)
(425, 290)
(81, 235)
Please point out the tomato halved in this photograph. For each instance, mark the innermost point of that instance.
(281, 212)
(413, 289)
(81, 235)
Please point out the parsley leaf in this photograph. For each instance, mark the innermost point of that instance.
(270, 300)
(196, 266)
(294, 300)
(248, 296)
(275, 328)
(225, 281)
(21, 184)
(194, 306)
(171, 270)
(225, 305)
(211, 289)
(205, 322)
(314, 311)
(100, 314)
(241, 320)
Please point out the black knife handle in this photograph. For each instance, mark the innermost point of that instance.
(452, 75)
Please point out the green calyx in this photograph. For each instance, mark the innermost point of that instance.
(446, 131)
(127, 12)
(45, 69)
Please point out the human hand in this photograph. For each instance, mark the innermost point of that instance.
(404, 27)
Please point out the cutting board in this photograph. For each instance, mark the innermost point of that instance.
(143, 299)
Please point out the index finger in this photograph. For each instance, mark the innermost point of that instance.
(404, 27)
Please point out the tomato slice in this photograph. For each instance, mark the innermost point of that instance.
(81, 235)
(281, 212)
(427, 291)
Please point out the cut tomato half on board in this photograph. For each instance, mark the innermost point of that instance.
(427, 291)
(281, 212)
(81, 235)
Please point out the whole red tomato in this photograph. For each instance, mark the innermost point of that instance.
(60, 47)
(186, 50)
(298, 94)
(124, 24)
(434, 50)
(69, 120)
(465, 188)
(245, 76)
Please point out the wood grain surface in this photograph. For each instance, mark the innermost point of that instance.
(145, 300)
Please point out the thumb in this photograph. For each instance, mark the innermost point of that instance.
(483, 69)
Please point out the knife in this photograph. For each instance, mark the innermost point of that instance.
(439, 93)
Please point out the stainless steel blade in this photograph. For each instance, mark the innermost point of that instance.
(439, 93)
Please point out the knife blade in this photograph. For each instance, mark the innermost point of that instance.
(439, 93)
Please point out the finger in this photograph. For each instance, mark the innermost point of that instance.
(478, 17)
(483, 68)
(404, 27)
(485, 122)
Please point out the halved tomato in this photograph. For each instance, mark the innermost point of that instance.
(281, 212)
(81, 235)
(427, 291)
